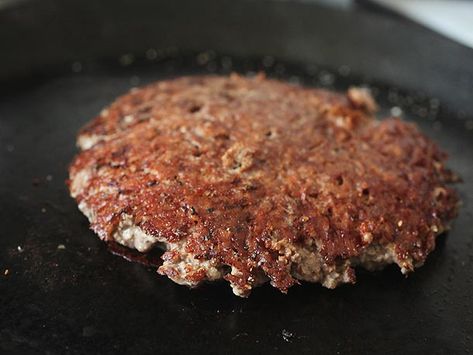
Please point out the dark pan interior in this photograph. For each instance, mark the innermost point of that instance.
(65, 293)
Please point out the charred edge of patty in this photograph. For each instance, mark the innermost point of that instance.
(305, 262)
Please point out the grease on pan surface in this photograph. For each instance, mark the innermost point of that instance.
(255, 180)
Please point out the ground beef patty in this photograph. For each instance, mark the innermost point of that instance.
(254, 180)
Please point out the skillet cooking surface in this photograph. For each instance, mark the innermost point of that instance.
(65, 293)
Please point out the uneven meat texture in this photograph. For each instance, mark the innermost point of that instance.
(251, 180)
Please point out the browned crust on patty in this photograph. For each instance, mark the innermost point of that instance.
(252, 179)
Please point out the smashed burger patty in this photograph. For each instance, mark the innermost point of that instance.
(254, 180)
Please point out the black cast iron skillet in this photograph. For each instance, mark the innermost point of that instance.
(61, 291)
